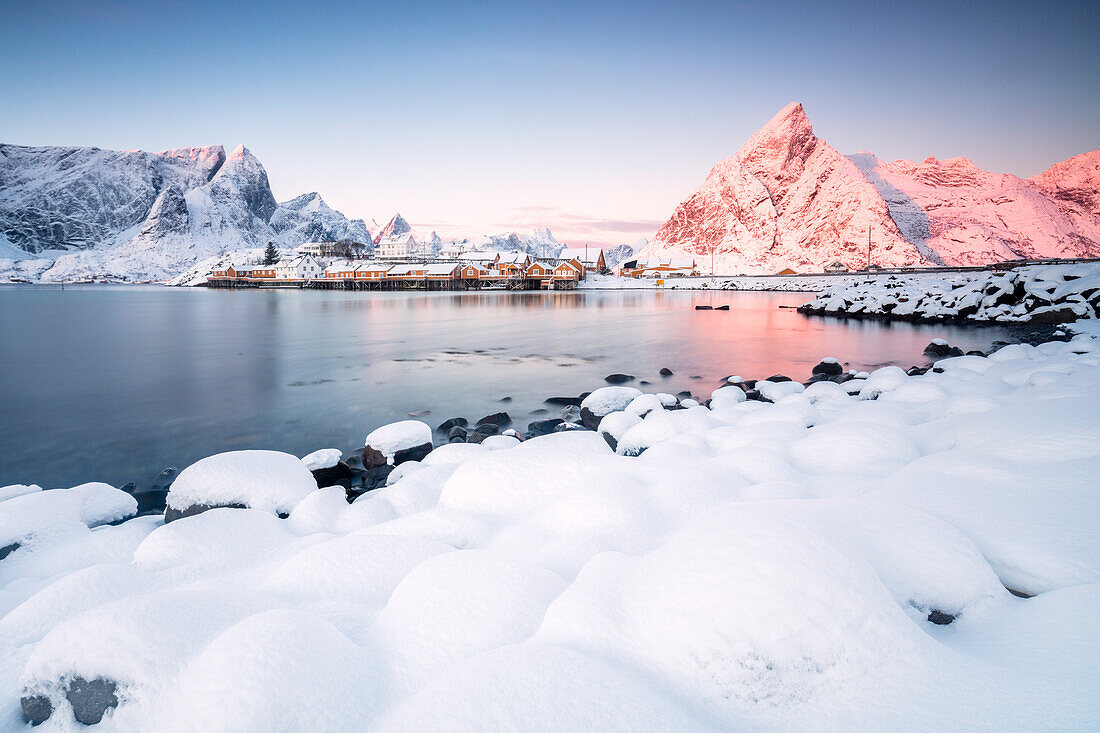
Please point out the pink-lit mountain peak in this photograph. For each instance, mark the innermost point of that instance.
(788, 198)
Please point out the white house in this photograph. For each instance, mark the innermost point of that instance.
(397, 247)
(303, 267)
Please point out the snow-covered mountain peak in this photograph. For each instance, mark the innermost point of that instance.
(787, 137)
(311, 201)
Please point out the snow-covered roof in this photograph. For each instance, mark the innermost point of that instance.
(568, 263)
(584, 255)
(406, 238)
(673, 262)
(514, 258)
(372, 267)
(439, 269)
(340, 267)
(485, 255)
(399, 270)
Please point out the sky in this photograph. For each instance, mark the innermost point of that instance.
(593, 119)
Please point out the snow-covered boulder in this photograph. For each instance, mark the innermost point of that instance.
(257, 479)
(613, 426)
(604, 401)
(405, 440)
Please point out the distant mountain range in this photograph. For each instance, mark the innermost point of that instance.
(75, 213)
(789, 199)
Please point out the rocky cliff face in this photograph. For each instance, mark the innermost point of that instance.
(788, 199)
(71, 213)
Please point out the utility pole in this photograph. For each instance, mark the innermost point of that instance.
(868, 249)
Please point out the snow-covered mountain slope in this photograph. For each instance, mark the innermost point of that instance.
(76, 213)
(968, 216)
(788, 199)
(538, 242)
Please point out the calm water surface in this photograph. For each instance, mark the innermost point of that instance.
(115, 383)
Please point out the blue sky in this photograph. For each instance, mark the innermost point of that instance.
(592, 118)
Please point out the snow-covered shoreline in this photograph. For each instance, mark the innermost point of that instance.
(791, 557)
(1041, 294)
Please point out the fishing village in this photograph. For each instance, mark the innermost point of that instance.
(313, 266)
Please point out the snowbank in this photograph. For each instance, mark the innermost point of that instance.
(826, 557)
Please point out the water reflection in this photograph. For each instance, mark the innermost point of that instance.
(113, 384)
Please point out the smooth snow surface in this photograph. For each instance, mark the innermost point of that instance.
(259, 479)
(751, 565)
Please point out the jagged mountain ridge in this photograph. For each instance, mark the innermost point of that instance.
(788, 199)
(90, 213)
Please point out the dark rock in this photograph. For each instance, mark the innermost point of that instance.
(457, 434)
(151, 501)
(940, 618)
(355, 461)
(564, 401)
(722, 308)
(683, 394)
(975, 352)
(754, 394)
(171, 514)
(446, 425)
(373, 458)
(666, 372)
(500, 419)
(915, 371)
(164, 479)
(36, 709)
(941, 351)
(329, 476)
(777, 378)
(416, 453)
(828, 369)
(567, 426)
(8, 549)
(610, 439)
(543, 427)
(1019, 593)
(748, 384)
(505, 399)
(488, 429)
(589, 419)
(645, 383)
(475, 437)
(368, 481)
(91, 699)
(583, 396)
(539, 411)
(704, 307)
(694, 376)
(618, 378)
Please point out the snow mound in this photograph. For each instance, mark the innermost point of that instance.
(400, 435)
(266, 480)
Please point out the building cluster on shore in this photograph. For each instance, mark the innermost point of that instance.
(313, 266)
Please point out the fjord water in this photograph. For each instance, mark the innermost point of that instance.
(113, 384)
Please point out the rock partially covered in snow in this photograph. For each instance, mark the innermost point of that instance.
(257, 479)
(604, 401)
(405, 440)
